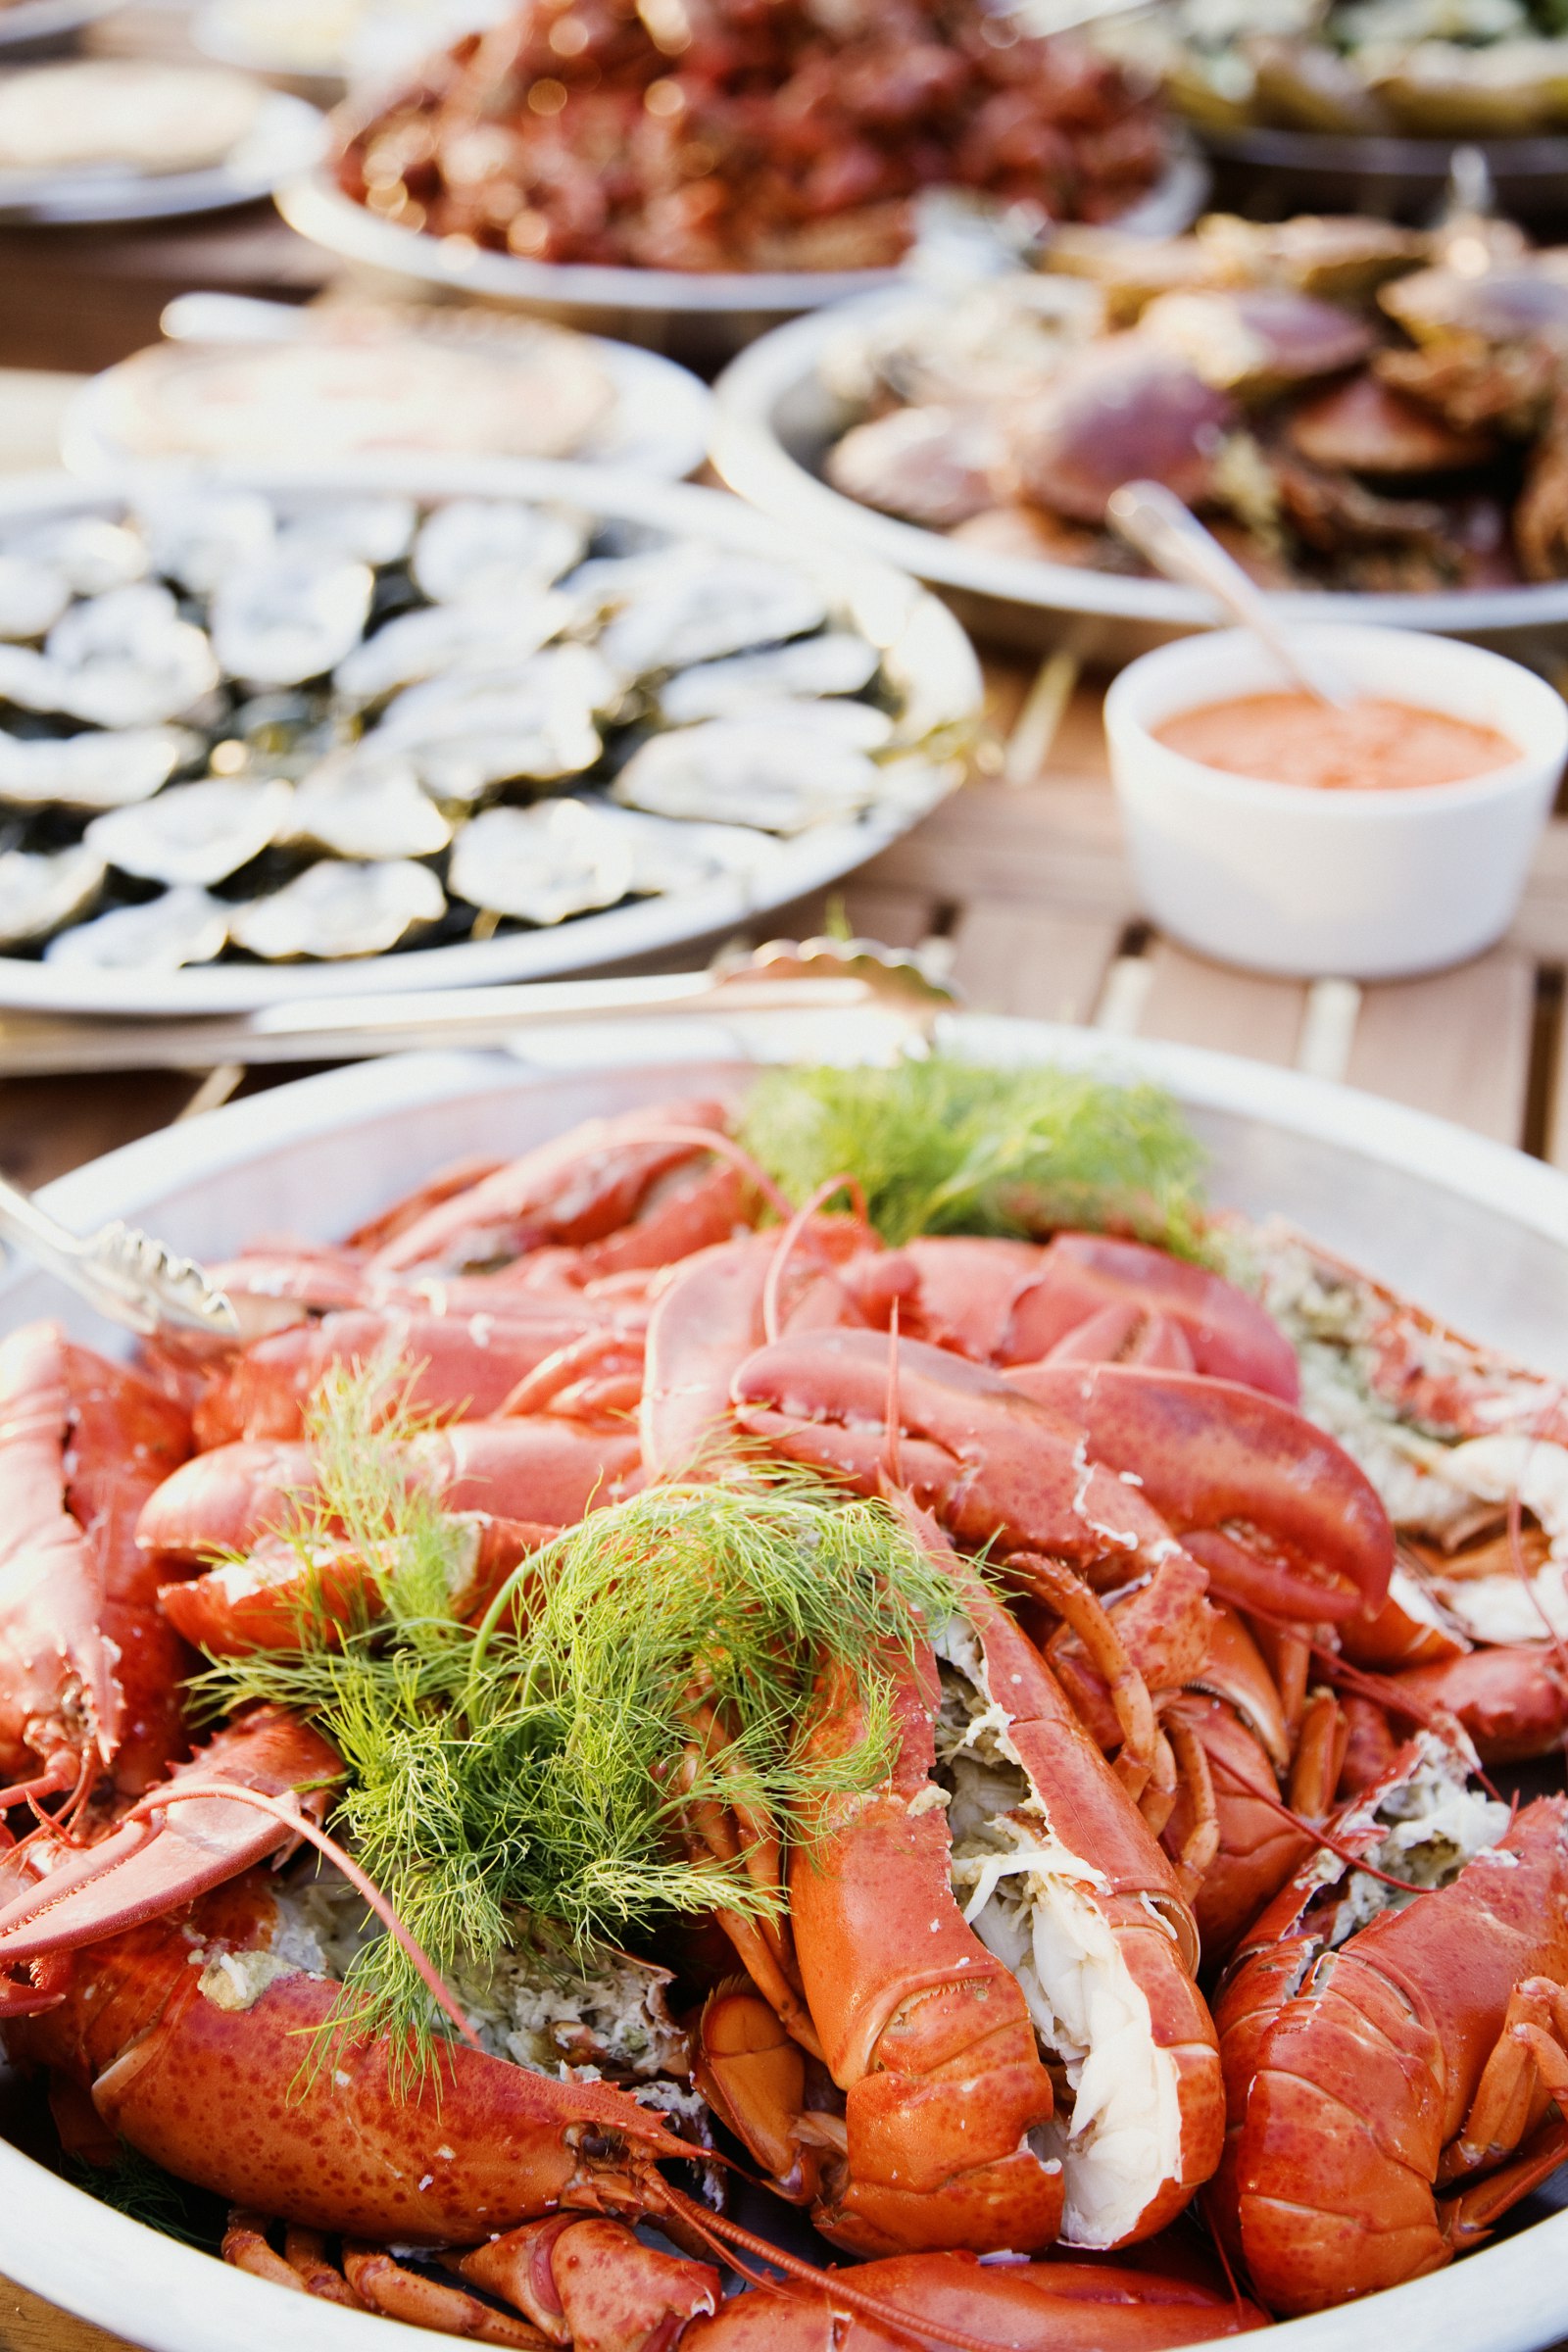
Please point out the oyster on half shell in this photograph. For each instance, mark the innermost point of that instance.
(835, 663)
(290, 616)
(162, 934)
(784, 777)
(339, 909)
(91, 554)
(42, 890)
(33, 597)
(443, 640)
(480, 550)
(91, 771)
(540, 865)
(197, 537)
(468, 733)
(368, 803)
(703, 604)
(195, 833)
(126, 660)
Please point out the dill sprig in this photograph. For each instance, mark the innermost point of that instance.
(144, 2192)
(943, 1146)
(535, 1768)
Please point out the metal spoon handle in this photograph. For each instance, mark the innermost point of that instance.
(1176, 543)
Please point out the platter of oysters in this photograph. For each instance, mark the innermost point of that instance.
(271, 732)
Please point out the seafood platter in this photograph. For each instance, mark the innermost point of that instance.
(241, 378)
(1369, 416)
(796, 1706)
(1366, 99)
(695, 161)
(276, 733)
(103, 139)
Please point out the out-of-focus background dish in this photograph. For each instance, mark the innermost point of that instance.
(1358, 409)
(27, 25)
(1360, 101)
(89, 139)
(265, 380)
(507, 719)
(647, 163)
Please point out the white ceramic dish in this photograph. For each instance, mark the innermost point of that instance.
(285, 139)
(1288, 878)
(708, 314)
(1478, 1231)
(776, 422)
(923, 649)
(660, 425)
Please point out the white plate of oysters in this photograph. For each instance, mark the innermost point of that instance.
(271, 733)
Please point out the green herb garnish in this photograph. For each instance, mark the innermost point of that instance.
(539, 1771)
(944, 1146)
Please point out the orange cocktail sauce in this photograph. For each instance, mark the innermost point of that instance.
(1372, 746)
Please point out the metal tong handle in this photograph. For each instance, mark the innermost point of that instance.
(1177, 544)
(123, 1273)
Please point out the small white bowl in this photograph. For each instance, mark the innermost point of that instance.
(1292, 879)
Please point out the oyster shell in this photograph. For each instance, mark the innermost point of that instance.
(40, 891)
(833, 664)
(362, 802)
(199, 537)
(780, 774)
(859, 725)
(33, 597)
(127, 658)
(194, 833)
(669, 853)
(340, 908)
(290, 616)
(92, 770)
(479, 549)
(181, 926)
(441, 640)
(355, 530)
(31, 681)
(467, 734)
(701, 603)
(91, 554)
(541, 864)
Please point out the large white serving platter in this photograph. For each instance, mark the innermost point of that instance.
(776, 421)
(1480, 1233)
(285, 140)
(712, 311)
(924, 651)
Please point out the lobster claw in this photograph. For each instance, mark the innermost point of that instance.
(155, 1862)
(1210, 1453)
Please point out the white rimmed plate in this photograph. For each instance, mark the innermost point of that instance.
(1481, 1232)
(924, 651)
(284, 139)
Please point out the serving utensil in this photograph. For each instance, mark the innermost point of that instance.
(785, 977)
(1154, 520)
(133, 1279)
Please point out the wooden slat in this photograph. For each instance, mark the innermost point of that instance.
(1458, 1045)
(27, 2325)
(1050, 845)
(1050, 967)
(899, 918)
(1199, 1004)
(1080, 746)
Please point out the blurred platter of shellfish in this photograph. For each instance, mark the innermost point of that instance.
(1368, 416)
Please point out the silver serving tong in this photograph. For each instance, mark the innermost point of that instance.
(785, 977)
(136, 1281)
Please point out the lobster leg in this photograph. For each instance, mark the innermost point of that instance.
(386, 2285)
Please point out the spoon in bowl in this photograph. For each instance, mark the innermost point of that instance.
(1154, 520)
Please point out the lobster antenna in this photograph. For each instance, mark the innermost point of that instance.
(891, 1461)
(720, 2228)
(1308, 1829)
(723, 1147)
(1516, 1548)
(296, 1819)
(790, 1238)
(1383, 1690)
